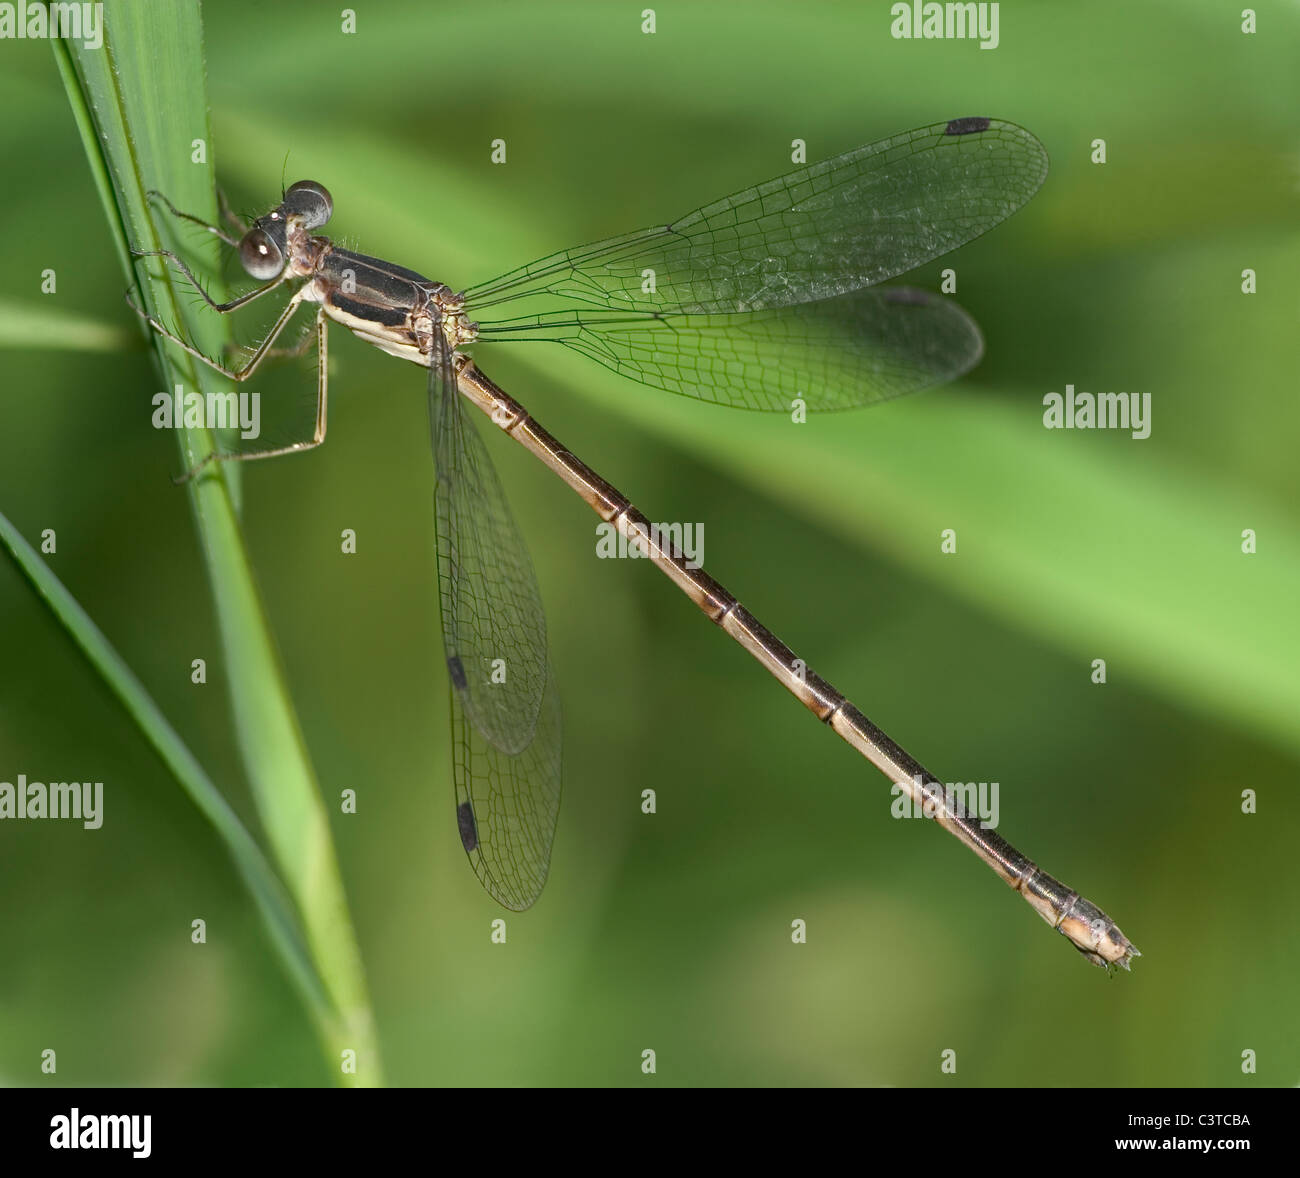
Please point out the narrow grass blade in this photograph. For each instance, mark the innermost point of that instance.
(141, 106)
(263, 885)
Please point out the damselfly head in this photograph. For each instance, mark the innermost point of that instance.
(264, 248)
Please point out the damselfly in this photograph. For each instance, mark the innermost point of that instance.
(752, 301)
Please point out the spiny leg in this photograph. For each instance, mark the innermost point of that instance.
(322, 401)
(225, 212)
(224, 308)
(228, 215)
(257, 357)
(292, 353)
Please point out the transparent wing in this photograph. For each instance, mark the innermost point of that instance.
(507, 806)
(493, 627)
(505, 709)
(820, 231)
(839, 354)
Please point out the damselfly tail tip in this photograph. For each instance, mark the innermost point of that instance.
(1095, 935)
(1117, 949)
(1109, 956)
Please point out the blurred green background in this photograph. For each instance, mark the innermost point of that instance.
(673, 932)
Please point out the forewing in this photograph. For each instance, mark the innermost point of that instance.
(505, 710)
(493, 627)
(821, 231)
(507, 806)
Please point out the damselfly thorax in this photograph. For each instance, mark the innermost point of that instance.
(384, 304)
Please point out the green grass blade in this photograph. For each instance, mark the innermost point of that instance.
(141, 107)
(263, 885)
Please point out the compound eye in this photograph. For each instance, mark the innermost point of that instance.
(310, 201)
(260, 256)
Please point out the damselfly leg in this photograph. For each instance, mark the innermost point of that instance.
(250, 247)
